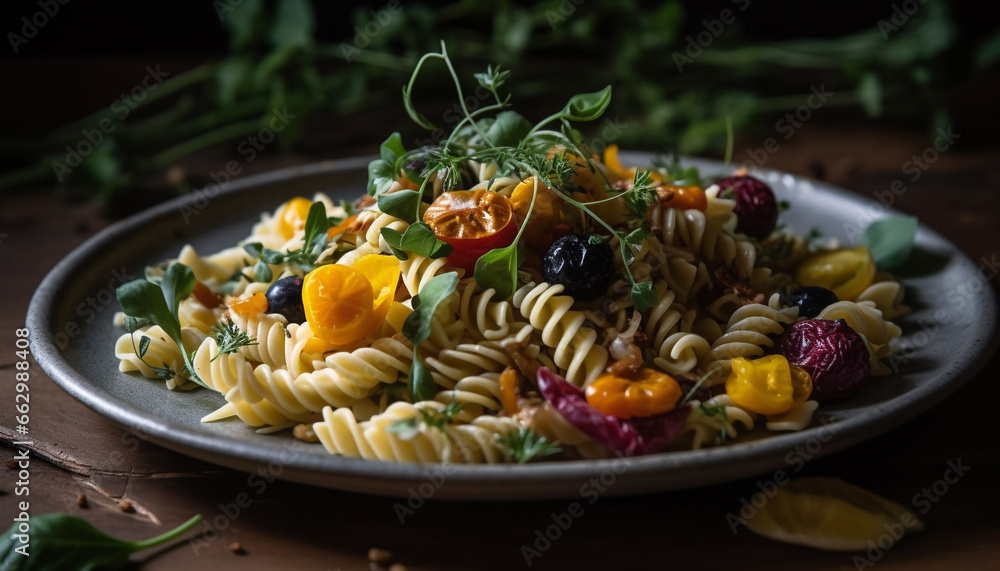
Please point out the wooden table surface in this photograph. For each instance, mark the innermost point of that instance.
(293, 526)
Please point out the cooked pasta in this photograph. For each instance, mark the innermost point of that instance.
(493, 303)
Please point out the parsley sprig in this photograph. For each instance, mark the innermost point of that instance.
(524, 445)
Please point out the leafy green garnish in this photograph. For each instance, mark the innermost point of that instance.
(720, 411)
(417, 328)
(497, 269)
(61, 541)
(890, 240)
(408, 428)
(403, 204)
(418, 239)
(314, 242)
(158, 303)
(382, 171)
(524, 445)
(642, 195)
(230, 338)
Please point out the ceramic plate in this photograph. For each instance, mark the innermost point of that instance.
(75, 348)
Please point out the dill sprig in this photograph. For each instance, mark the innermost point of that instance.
(230, 338)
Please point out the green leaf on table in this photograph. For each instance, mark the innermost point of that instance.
(890, 240)
(587, 106)
(643, 296)
(497, 269)
(61, 541)
(508, 129)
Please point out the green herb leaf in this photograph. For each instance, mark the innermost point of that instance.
(890, 240)
(144, 300)
(642, 195)
(524, 445)
(392, 148)
(634, 239)
(255, 249)
(158, 303)
(497, 269)
(644, 296)
(417, 328)
(402, 204)
(272, 256)
(262, 272)
(587, 106)
(177, 283)
(405, 428)
(316, 226)
(508, 129)
(418, 239)
(230, 338)
(143, 346)
(381, 175)
(422, 386)
(61, 541)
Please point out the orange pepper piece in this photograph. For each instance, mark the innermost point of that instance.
(257, 303)
(648, 393)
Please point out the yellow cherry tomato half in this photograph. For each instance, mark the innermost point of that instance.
(847, 272)
(649, 392)
(768, 385)
(344, 304)
(293, 216)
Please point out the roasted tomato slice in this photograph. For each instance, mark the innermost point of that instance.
(472, 222)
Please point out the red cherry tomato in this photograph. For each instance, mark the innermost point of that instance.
(472, 222)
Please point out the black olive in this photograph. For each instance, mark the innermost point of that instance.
(812, 300)
(584, 265)
(285, 297)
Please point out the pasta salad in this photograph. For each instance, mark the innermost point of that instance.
(513, 293)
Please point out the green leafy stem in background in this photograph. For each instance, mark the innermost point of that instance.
(275, 63)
